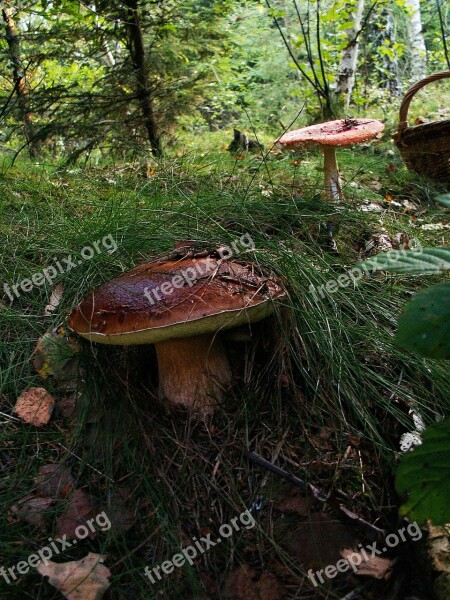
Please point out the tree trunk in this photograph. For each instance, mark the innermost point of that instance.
(345, 80)
(393, 80)
(418, 50)
(137, 52)
(21, 87)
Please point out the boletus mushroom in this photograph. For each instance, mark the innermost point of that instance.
(328, 136)
(181, 305)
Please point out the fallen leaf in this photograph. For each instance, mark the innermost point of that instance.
(35, 406)
(32, 509)
(54, 356)
(372, 207)
(373, 566)
(76, 513)
(119, 511)
(378, 242)
(375, 185)
(54, 481)
(66, 406)
(55, 299)
(315, 542)
(439, 547)
(300, 505)
(245, 584)
(409, 206)
(85, 579)
(401, 240)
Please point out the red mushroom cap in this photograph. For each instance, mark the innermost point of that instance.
(334, 133)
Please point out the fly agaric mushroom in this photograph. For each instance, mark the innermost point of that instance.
(329, 135)
(180, 306)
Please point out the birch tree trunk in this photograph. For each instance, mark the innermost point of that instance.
(345, 80)
(21, 86)
(390, 64)
(418, 50)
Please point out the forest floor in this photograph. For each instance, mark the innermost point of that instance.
(320, 389)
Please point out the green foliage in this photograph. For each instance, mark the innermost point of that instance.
(424, 326)
(424, 475)
(443, 199)
(423, 261)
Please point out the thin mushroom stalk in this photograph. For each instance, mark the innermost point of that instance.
(333, 188)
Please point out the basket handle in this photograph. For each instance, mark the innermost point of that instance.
(403, 124)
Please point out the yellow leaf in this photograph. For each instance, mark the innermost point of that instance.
(85, 579)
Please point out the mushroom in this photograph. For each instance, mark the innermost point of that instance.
(329, 135)
(180, 305)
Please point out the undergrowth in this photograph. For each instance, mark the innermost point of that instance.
(316, 377)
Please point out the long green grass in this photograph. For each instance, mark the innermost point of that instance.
(315, 377)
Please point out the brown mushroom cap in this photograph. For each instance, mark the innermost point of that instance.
(334, 133)
(212, 294)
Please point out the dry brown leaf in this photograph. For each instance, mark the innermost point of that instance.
(85, 579)
(244, 584)
(373, 566)
(375, 185)
(439, 547)
(77, 511)
(119, 510)
(401, 240)
(315, 542)
(295, 503)
(35, 406)
(55, 299)
(54, 481)
(66, 406)
(32, 509)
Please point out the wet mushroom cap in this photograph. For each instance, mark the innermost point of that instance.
(185, 298)
(334, 133)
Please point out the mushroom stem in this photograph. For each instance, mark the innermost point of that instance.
(332, 181)
(193, 372)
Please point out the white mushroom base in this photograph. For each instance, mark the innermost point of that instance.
(193, 372)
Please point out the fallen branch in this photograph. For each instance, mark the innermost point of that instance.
(308, 488)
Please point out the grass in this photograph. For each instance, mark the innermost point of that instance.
(316, 378)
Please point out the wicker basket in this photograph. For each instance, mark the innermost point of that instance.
(424, 148)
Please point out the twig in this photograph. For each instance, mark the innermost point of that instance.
(355, 593)
(275, 455)
(306, 487)
(10, 417)
(309, 488)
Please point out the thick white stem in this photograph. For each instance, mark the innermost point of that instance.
(193, 372)
(333, 188)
